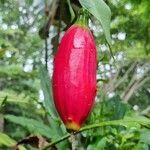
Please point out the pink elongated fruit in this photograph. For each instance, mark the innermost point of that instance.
(74, 76)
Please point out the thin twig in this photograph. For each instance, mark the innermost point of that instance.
(134, 85)
(134, 88)
(112, 55)
(146, 110)
(125, 75)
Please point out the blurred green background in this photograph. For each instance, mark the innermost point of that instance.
(30, 31)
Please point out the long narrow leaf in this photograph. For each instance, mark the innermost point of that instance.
(33, 126)
(48, 101)
(46, 87)
(7, 141)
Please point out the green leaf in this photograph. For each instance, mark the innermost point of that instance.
(145, 136)
(100, 144)
(33, 126)
(101, 11)
(2, 1)
(48, 101)
(46, 87)
(13, 97)
(3, 103)
(29, 2)
(117, 108)
(7, 141)
(112, 109)
(141, 146)
(71, 10)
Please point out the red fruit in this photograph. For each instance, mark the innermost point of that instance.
(74, 76)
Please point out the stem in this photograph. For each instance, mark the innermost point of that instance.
(83, 17)
(74, 133)
(60, 18)
(57, 141)
(111, 54)
(46, 54)
(125, 123)
(72, 141)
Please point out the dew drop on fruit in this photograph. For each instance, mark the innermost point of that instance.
(69, 119)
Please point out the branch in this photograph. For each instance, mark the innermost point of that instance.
(135, 84)
(130, 85)
(52, 14)
(135, 87)
(146, 111)
(115, 82)
(125, 75)
(44, 31)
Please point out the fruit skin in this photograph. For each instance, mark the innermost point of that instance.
(74, 76)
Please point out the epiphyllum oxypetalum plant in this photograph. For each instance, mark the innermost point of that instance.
(74, 76)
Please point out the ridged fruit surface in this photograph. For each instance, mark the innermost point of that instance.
(74, 76)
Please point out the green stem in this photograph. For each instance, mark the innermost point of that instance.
(83, 17)
(57, 141)
(121, 122)
(127, 122)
